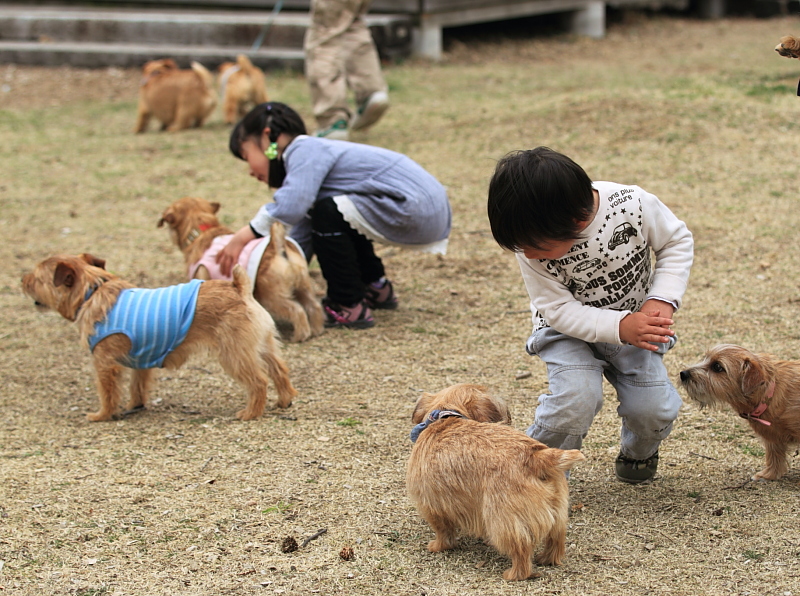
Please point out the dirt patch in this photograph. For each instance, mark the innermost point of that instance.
(184, 499)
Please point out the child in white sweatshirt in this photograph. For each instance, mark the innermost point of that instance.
(601, 305)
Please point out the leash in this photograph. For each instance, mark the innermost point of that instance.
(260, 39)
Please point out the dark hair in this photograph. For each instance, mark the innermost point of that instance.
(279, 118)
(536, 196)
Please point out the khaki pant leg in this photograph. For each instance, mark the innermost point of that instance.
(327, 84)
(339, 52)
(362, 64)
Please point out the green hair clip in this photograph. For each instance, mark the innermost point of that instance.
(272, 151)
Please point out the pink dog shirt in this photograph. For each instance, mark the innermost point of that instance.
(209, 258)
(249, 258)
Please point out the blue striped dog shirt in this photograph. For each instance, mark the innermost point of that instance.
(156, 321)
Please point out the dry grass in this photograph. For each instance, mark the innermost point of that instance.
(183, 499)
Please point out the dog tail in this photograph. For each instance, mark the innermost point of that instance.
(241, 281)
(277, 238)
(566, 459)
(203, 73)
(244, 63)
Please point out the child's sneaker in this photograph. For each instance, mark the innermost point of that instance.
(370, 111)
(380, 295)
(353, 317)
(636, 471)
(336, 131)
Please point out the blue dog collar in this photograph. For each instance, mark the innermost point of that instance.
(431, 418)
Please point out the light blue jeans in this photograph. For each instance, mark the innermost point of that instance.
(648, 402)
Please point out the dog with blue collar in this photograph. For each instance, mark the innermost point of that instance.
(470, 471)
(124, 328)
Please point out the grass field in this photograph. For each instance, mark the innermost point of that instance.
(185, 499)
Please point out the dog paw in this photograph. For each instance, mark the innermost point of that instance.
(246, 415)
(765, 475)
(515, 575)
(98, 417)
(437, 546)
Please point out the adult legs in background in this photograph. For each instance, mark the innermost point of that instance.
(341, 54)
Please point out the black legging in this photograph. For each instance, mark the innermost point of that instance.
(346, 257)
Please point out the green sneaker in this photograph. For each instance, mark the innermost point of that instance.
(636, 471)
(336, 131)
(370, 111)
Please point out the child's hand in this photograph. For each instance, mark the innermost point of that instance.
(229, 255)
(658, 308)
(642, 329)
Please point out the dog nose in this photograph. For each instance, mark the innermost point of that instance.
(685, 374)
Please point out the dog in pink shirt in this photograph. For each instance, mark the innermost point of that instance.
(276, 264)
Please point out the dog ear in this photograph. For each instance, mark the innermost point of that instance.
(168, 217)
(495, 411)
(169, 63)
(215, 207)
(64, 275)
(790, 42)
(423, 403)
(752, 376)
(93, 260)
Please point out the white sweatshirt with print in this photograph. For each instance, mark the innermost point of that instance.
(634, 249)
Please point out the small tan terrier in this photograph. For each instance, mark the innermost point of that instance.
(471, 471)
(760, 388)
(177, 98)
(215, 315)
(282, 284)
(242, 86)
(789, 46)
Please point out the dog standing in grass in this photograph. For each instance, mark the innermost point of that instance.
(760, 388)
(276, 264)
(242, 86)
(470, 471)
(215, 315)
(177, 98)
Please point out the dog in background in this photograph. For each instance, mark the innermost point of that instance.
(471, 471)
(215, 315)
(241, 86)
(789, 46)
(177, 98)
(761, 388)
(281, 283)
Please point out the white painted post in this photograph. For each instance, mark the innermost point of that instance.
(590, 21)
(426, 39)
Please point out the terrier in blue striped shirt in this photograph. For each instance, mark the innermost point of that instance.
(143, 329)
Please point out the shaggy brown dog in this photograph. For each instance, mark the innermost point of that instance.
(470, 471)
(282, 283)
(242, 86)
(760, 388)
(226, 320)
(789, 47)
(177, 98)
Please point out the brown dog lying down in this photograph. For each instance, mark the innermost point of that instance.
(282, 284)
(242, 86)
(215, 315)
(471, 471)
(178, 98)
(760, 388)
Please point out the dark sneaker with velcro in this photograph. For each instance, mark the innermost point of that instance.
(636, 471)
